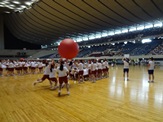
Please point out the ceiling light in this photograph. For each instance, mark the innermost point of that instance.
(6, 12)
(16, 2)
(12, 5)
(18, 8)
(28, 3)
(125, 42)
(5, 1)
(22, 6)
(146, 40)
(2, 3)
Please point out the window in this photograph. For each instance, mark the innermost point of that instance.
(146, 40)
(158, 24)
(148, 25)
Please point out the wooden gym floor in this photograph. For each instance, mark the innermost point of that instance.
(108, 100)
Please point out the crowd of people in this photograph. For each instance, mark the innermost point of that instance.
(62, 70)
(158, 50)
(20, 67)
(58, 73)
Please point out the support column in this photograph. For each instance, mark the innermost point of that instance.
(1, 32)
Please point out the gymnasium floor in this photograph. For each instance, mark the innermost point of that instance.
(108, 100)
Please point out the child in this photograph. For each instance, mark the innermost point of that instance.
(45, 76)
(52, 76)
(151, 66)
(126, 67)
(62, 74)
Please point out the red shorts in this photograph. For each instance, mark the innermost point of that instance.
(1, 69)
(107, 69)
(11, 69)
(86, 76)
(24, 68)
(45, 77)
(89, 72)
(33, 68)
(81, 72)
(94, 72)
(18, 68)
(76, 75)
(71, 75)
(99, 71)
(63, 79)
(53, 79)
(103, 70)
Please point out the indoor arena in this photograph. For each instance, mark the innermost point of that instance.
(81, 61)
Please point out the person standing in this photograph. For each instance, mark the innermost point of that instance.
(151, 66)
(62, 72)
(81, 72)
(126, 68)
(52, 76)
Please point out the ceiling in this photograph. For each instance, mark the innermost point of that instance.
(47, 21)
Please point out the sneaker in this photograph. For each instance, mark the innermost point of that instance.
(68, 93)
(149, 81)
(152, 81)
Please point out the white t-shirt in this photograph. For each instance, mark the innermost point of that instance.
(53, 73)
(105, 64)
(85, 72)
(80, 66)
(126, 64)
(40, 64)
(86, 65)
(26, 65)
(89, 66)
(94, 67)
(151, 65)
(11, 65)
(47, 70)
(62, 73)
(99, 66)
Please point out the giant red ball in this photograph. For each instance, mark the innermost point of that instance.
(68, 49)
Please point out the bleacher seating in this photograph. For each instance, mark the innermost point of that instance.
(158, 50)
(106, 46)
(42, 53)
(11, 54)
(120, 49)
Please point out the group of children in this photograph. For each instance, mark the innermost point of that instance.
(76, 70)
(20, 67)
